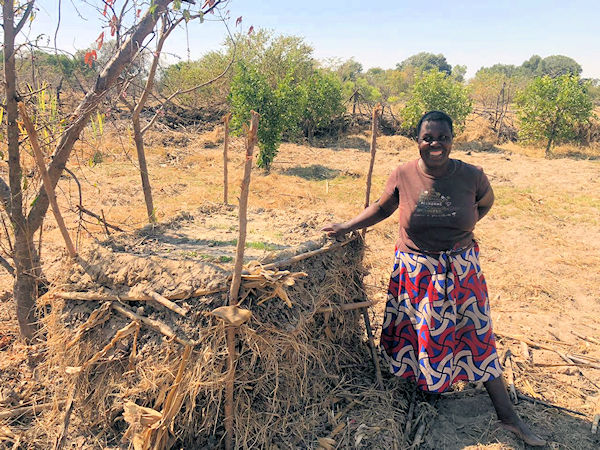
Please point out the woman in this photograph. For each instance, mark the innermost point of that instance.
(437, 326)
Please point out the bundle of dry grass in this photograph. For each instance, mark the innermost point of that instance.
(137, 347)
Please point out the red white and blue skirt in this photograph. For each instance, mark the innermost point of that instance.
(437, 327)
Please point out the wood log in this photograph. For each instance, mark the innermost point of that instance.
(226, 118)
(154, 324)
(166, 303)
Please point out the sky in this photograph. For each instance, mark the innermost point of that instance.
(377, 33)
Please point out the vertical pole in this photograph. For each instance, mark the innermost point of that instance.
(236, 280)
(226, 119)
(374, 125)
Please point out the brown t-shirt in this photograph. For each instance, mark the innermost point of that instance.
(437, 213)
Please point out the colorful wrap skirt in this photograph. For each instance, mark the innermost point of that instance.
(437, 327)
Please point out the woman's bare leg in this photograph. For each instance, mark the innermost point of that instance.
(507, 414)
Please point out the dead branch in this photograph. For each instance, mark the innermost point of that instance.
(166, 303)
(154, 324)
(33, 409)
(100, 219)
(302, 256)
(48, 186)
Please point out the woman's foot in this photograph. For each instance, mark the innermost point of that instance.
(520, 429)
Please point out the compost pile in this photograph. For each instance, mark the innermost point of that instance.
(137, 347)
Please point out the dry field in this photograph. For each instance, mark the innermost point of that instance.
(540, 248)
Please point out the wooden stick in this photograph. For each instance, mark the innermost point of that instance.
(33, 409)
(549, 405)
(243, 207)
(525, 351)
(99, 218)
(374, 123)
(586, 338)
(374, 356)
(60, 440)
(583, 361)
(167, 303)
(409, 417)
(225, 119)
(154, 324)
(236, 280)
(595, 423)
(39, 159)
(302, 256)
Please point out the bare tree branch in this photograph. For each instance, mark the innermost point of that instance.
(80, 117)
(25, 17)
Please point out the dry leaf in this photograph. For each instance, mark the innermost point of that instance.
(232, 315)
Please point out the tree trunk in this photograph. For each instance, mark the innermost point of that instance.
(139, 146)
(25, 255)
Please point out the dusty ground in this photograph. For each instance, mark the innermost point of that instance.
(540, 248)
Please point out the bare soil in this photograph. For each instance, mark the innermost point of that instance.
(540, 250)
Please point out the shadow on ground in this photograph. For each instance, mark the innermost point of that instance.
(316, 172)
(470, 422)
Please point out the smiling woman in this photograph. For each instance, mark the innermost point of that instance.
(437, 327)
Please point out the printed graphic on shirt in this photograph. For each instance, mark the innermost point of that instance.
(433, 204)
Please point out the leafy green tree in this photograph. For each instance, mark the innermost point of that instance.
(551, 108)
(426, 61)
(459, 72)
(557, 65)
(322, 101)
(251, 91)
(436, 90)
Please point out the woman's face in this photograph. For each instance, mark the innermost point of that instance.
(435, 143)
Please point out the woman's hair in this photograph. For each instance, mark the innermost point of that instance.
(435, 116)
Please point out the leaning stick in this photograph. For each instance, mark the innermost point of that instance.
(365, 314)
(374, 124)
(154, 324)
(33, 409)
(39, 159)
(225, 119)
(303, 256)
(236, 279)
(167, 303)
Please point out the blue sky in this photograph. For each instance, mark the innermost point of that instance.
(383, 33)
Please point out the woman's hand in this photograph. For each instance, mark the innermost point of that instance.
(336, 230)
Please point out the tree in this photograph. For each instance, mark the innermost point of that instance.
(27, 219)
(551, 108)
(321, 101)
(493, 89)
(251, 91)
(435, 90)
(557, 65)
(426, 61)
